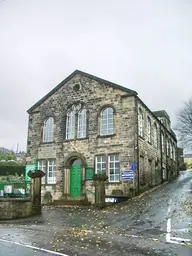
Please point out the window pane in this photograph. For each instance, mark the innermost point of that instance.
(117, 158)
(51, 179)
(107, 121)
(48, 130)
(70, 125)
(112, 177)
(111, 165)
(101, 164)
(82, 124)
(114, 168)
(112, 158)
(42, 167)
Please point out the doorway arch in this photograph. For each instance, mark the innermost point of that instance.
(75, 165)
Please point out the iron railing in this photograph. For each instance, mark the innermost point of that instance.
(15, 189)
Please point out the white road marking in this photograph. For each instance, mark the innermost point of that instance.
(180, 239)
(185, 230)
(168, 237)
(169, 225)
(33, 247)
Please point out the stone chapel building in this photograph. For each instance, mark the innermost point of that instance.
(87, 125)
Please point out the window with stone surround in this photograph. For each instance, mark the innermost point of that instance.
(142, 178)
(82, 123)
(48, 130)
(76, 122)
(148, 129)
(49, 168)
(155, 138)
(42, 166)
(51, 171)
(163, 142)
(140, 123)
(110, 165)
(107, 121)
(168, 147)
(174, 152)
(70, 124)
(171, 150)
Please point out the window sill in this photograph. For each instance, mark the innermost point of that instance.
(141, 137)
(48, 184)
(66, 140)
(106, 136)
(47, 143)
(113, 182)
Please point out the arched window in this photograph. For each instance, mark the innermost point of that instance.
(48, 130)
(148, 129)
(171, 150)
(163, 142)
(70, 124)
(168, 147)
(140, 122)
(82, 123)
(174, 153)
(76, 122)
(107, 121)
(155, 136)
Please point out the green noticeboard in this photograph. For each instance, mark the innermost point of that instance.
(89, 172)
(29, 167)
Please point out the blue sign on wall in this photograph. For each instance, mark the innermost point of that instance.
(133, 167)
(127, 175)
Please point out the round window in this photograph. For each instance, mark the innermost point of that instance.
(76, 87)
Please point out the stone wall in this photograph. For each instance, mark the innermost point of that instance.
(13, 208)
(95, 95)
(149, 153)
(156, 164)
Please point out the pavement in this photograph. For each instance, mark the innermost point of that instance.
(156, 223)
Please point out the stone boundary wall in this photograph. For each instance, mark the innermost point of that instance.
(13, 208)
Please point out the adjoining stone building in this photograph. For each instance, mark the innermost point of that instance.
(87, 125)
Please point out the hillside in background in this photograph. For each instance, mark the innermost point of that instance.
(5, 150)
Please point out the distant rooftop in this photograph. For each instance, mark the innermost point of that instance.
(174, 135)
(161, 113)
(187, 155)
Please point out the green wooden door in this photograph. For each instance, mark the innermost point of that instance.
(156, 176)
(75, 181)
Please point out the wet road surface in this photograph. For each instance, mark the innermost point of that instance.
(156, 223)
(17, 250)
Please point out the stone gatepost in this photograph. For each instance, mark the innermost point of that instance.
(99, 183)
(36, 190)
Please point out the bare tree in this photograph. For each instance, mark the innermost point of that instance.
(184, 124)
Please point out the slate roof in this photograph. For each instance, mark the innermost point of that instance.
(78, 72)
(161, 113)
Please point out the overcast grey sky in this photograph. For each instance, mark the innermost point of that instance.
(145, 45)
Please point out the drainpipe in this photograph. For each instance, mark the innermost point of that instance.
(161, 155)
(137, 145)
(167, 172)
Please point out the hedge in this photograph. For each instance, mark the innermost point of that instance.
(12, 170)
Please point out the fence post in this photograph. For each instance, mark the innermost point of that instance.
(36, 189)
(99, 183)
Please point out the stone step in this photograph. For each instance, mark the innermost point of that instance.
(70, 202)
